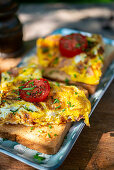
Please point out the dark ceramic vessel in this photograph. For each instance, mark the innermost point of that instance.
(11, 34)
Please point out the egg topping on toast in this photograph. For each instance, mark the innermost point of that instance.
(63, 104)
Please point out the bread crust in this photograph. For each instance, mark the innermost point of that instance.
(37, 138)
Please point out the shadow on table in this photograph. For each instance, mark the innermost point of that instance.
(101, 122)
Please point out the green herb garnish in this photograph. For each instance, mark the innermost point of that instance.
(69, 103)
(40, 92)
(75, 76)
(39, 158)
(50, 126)
(40, 131)
(3, 101)
(32, 128)
(29, 88)
(56, 60)
(67, 81)
(45, 49)
(13, 91)
(23, 81)
(57, 107)
(56, 101)
(78, 45)
(26, 108)
(55, 134)
(76, 92)
(63, 110)
(14, 111)
(57, 84)
(49, 135)
(9, 72)
(21, 87)
(28, 93)
(32, 82)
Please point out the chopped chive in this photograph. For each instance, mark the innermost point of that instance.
(73, 105)
(26, 108)
(5, 78)
(13, 91)
(78, 45)
(21, 87)
(9, 72)
(100, 58)
(40, 131)
(67, 81)
(49, 55)
(43, 71)
(32, 128)
(69, 103)
(13, 111)
(57, 107)
(18, 98)
(49, 135)
(39, 158)
(23, 81)
(55, 134)
(38, 78)
(75, 75)
(50, 126)
(85, 67)
(63, 110)
(76, 92)
(29, 88)
(28, 93)
(56, 60)
(45, 49)
(56, 101)
(57, 84)
(3, 100)
(32, 82)
(45, 81)
(40, 92)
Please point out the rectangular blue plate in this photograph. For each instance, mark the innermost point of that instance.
(26, 155)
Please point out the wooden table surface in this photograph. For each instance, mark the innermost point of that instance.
(94, 148)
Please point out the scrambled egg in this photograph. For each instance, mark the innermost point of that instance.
(85, 67)
(64, 103)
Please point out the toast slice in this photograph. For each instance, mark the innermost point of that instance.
(42, 139)
(83, 70)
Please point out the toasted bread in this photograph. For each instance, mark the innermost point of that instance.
(42, 139)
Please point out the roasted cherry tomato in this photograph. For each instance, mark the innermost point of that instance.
(73, 44)
(35, 90)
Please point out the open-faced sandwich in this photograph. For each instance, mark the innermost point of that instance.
(74, 59)
(36, 112)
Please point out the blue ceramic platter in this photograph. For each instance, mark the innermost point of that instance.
(26, 155)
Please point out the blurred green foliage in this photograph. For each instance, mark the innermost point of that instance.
(65, 1)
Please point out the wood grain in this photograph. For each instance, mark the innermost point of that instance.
(94, 148)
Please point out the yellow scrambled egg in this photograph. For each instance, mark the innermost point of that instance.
(64, 103)
(85, 67)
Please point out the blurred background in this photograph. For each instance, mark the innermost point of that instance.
(36, 18)
(39, 19)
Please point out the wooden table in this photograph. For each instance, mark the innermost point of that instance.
(94, 148)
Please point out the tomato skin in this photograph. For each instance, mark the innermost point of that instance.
(73, 44)
(35, 90)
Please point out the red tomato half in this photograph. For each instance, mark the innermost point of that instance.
(35, 90)
(73, 44)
